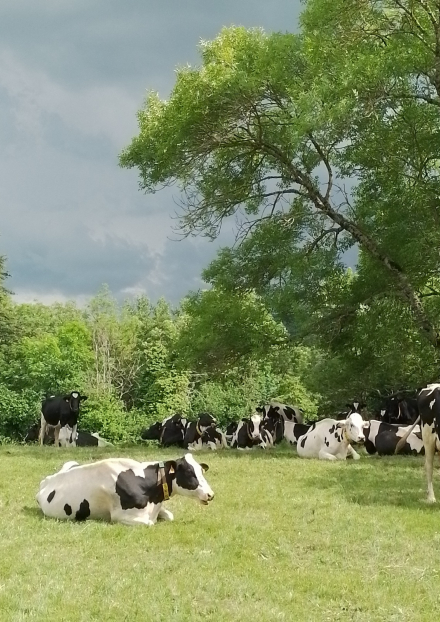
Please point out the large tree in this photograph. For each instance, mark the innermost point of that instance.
(320, 142)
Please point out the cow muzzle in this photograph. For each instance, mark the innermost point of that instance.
(206, 497)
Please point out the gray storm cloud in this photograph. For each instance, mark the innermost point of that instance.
(72, 76)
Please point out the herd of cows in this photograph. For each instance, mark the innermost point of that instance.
(132, 492)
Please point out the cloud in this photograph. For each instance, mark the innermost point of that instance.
(72, 76)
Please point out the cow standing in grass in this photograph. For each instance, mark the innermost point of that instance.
(61, 413)
(428, 404)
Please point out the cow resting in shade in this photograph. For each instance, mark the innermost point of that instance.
(288, 413)
(248, 434)
(330, 439)
(122, 490)
(383, 438)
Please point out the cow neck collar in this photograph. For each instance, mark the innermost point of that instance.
(198, 430)
(162, 480)
(345, 435)
(249, 436)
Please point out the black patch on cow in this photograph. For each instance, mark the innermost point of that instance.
(369, 446)
(135, 491)
(152, 433)
(326, 442)
(173, 431)
(332, 429)
(51, 496)
(185, 475)
(68, 509)
(303, 442)
(84, 439)
(84, 510)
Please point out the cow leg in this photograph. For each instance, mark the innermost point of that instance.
(324, 455)
(429, 441)
(42, 429)
(121, 517)
(74, 435)
(165, 514)
(57, 435)
(144, 516)
(353, 453)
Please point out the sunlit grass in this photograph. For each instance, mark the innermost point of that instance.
(284, 539)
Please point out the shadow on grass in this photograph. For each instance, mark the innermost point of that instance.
(392, 481)
(32, 512)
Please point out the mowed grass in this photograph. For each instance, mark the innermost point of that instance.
(284, 539)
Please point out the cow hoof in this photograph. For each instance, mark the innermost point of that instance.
(356, 457)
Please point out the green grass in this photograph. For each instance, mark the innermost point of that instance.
(284, 539)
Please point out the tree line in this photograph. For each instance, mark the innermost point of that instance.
(319, 144)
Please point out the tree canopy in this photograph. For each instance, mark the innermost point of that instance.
(319, 143)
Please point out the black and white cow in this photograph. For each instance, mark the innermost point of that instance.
(274, 425)
(85, 439)
(231, 428)
(153, 432)
(122, 490)
(194, 429)
(428, 404)
(173, 431)
(292, 431)
(399, 410)
(212, 438)
(383, 438)
(289, 413)
(330, 439)
(248, 434)
(61, 412)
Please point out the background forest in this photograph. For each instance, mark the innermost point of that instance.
(323, 145)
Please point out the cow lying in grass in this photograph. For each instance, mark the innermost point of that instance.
(330, 439)
(122, 490)
(383, 438)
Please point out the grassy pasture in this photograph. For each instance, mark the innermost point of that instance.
(284, 539)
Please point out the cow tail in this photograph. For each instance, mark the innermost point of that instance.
(402, 441)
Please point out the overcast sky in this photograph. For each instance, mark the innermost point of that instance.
(73, 73)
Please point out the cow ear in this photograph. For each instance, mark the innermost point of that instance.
(341, 424)
(83, 398)
(204, 466)
(173, 466)
(366, 424)
(66, 398)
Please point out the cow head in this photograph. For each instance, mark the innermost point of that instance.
(74, 400)
(213, 437)
(205, 420)
(354, 427)
(153, 432)
(275, 426)
(188, 479)
(355, 407)
(253, 426)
